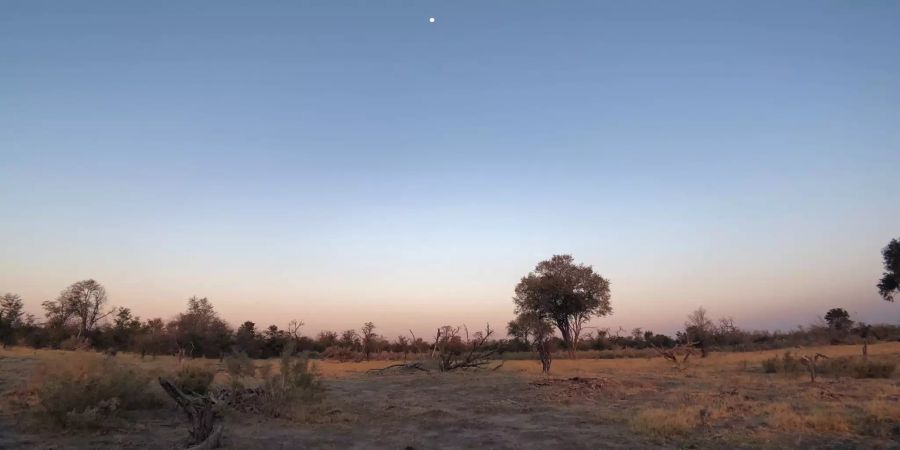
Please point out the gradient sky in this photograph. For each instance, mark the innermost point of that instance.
(347, 161)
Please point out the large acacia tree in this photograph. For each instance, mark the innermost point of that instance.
(564, 293)
(890, 280)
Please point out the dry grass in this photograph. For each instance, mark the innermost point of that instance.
(667, 423)
(788, 418)
(725, 400)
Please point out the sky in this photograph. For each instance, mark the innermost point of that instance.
(347, 161)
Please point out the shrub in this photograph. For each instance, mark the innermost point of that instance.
(92, 391)
(196, 379)
(296, 381)
(239, 365)
(855, 367)
(874, 369)
(787, 364)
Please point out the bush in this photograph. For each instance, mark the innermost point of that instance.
(93, 391)
(239, 365)
(296, 381)
(874, 369)
(855, 367)
(787, 364)
(196, 379)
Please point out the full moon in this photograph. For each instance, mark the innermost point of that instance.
(431, 20)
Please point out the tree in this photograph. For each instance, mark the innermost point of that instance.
(10, 318)
(274, 341)
(368, 337)
(153, 338)
(349, 340)
(246, 339)
(890, 280)
(125, 329)
(564, 293)
(698, 328)
(81, 304)
(838, 319)
(201, 330)
(327, 339)
(523, 328)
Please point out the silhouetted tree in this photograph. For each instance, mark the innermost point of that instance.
(564, 293)
(200, 330)
(367, 332)
(327, 339)
(153, 338)
(125, 329)
(838, 319)
(890, 280)
(81, 304)
(247, 340)
(10, 318)
(698, 329)
(349, 340)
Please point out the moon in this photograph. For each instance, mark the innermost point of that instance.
(431, 20)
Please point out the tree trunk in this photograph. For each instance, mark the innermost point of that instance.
(545, 355)
(206, 430)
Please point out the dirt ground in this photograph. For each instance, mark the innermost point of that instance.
(723, 401)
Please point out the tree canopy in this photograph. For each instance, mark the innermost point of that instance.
(890, 280)
(838, 318)
(566, 294)
(81, 305)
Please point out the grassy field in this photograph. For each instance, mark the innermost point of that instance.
(723, 401)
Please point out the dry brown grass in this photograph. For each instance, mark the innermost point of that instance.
(723, 400)
(667, 423)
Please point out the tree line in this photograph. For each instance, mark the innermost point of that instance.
(553, 305)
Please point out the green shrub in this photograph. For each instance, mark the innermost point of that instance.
(196, 379)
(90, 392)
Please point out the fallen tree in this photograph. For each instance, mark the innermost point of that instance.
(206, 425)
(672, 354)
(453, 351)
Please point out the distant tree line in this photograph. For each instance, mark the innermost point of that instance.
(80, 318)
(554, 304)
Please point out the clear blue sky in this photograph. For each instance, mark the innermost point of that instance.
(345, 161)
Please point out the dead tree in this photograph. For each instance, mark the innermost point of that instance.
(437, 339)
(404, 367)
(206, 428)
(810, 363)
(672, 354)
(454, 353)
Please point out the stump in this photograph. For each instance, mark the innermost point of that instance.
(206, 429)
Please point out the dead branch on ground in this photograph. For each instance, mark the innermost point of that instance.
(206, 427)
(672, 354)
(455, 353)
(402, 367)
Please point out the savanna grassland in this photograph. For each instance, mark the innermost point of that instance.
(726, 400)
